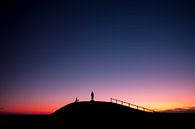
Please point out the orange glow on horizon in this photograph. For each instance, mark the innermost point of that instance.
(158, 96)
(160, 106)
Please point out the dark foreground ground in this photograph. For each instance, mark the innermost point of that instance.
(89, 121)
(97, 115)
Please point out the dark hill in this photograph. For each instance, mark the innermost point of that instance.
(94, 112)
(114, 115)
(95, 107)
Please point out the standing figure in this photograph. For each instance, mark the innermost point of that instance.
(76, 100)
(92, 96)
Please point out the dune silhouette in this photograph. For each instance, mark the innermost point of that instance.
(95, 107)
(98, 111)
(103, 112)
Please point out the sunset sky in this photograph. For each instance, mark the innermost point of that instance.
(141, 52)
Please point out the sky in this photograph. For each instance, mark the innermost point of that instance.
(142, 52)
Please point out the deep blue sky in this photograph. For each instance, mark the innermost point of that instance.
(80, 41)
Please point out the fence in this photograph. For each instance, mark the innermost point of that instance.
(131, 105)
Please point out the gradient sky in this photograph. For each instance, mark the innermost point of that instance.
(137, 51)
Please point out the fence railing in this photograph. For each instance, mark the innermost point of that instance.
(131, 105)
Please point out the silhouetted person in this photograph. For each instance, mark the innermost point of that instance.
(76, 100)
(92, 96)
